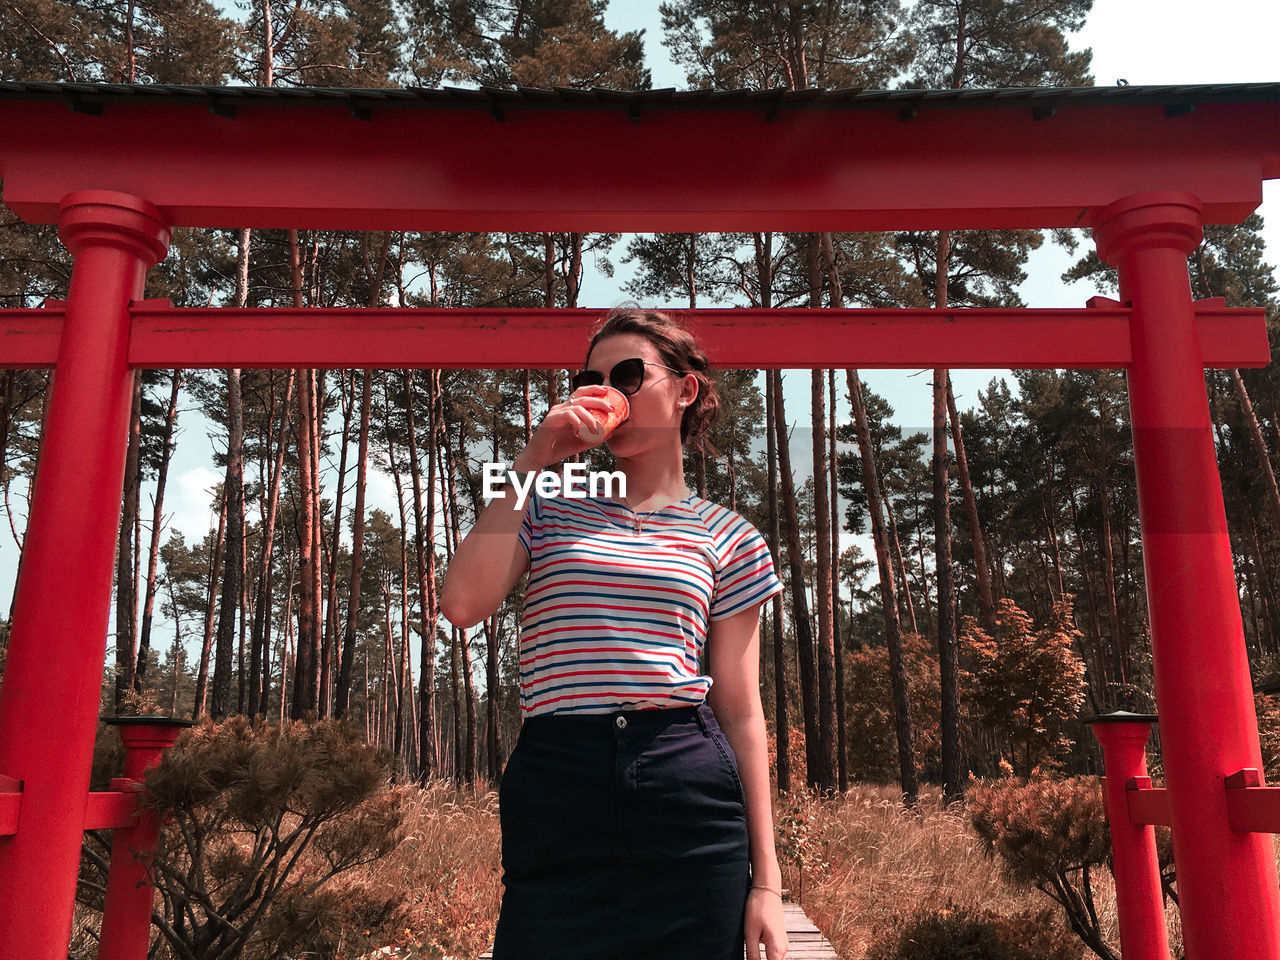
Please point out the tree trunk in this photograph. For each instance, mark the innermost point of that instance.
(781, 723)
(398, 665)
(126, 582)
(1123, 669)
(157, 521)
(305, 698)
(260, 654)
(1259, 445)
(1267, 639)
(453, 530)
(763, 244)
(986, 599)
(842, 752)
(424, 533)
(948, 653)
(342, 697)
(331, 607)
(317, 534)
(288, 648)
(202, 677)
(549, 301)
(826, 772)
(899, 563)
(888, 600)
(220, 703)
(573, 272)
(799, 602)
(1097, 669)
(242, 674)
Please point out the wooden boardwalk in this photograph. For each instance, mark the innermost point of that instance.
(805, 941)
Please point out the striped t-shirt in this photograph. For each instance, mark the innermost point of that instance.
(615, 619)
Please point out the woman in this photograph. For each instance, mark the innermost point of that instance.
(635, 809)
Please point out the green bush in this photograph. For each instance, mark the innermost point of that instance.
(260, 822)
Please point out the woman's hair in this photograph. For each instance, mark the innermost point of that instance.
(679, 350)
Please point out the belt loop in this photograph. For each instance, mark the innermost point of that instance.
(702, 720)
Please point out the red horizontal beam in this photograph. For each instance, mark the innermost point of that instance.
(29, 338)
(672, 169)
(112, 810)
(1148, 805)
(1251, 806)
(1096, 337)
(10, 805)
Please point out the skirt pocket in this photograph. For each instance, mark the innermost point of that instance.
(729, 762)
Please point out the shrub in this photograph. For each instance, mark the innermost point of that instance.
(802, 824)
(1049, 834)
(1029, 684)
(968, 935)
(261, 820)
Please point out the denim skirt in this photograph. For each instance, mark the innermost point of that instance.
(624, 837)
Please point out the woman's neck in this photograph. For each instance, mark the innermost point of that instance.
(653, 479)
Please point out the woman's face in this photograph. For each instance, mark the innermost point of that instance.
(656, 408)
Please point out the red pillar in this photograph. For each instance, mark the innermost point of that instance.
(1227, 886)
(1139, 900)
(126, 913)
(49, 700)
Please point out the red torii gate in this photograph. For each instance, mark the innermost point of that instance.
(117, 167)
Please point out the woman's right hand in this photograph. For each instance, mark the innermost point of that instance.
(567, 429)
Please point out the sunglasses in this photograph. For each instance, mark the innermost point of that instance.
(626, 377)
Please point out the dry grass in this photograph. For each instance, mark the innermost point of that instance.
(867, 864)
(885, 863)
(448, 868)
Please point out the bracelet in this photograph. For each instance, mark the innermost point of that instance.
(778, 893)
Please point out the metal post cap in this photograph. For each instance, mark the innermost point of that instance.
(1122, 716)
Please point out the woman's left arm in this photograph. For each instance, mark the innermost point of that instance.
(733, 662)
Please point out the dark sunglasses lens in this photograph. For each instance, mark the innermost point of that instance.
(587, 378)
(627, 375)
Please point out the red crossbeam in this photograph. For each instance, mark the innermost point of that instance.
(1147, 804)
(113, 809)
(678, 170)
(1252, 807)
(108, 810)
(10, 804)
(1096, 337)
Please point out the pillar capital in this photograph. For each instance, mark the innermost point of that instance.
(1121, 735)
(108, 217)
(1165, 218)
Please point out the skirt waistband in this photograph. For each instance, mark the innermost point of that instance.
(618, 722)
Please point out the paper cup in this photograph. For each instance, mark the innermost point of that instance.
(619, 410)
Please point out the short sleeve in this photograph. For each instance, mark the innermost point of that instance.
(532, 520)
(747, 577)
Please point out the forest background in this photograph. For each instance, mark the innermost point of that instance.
(260, 601)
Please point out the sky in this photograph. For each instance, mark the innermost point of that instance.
(1140, 41)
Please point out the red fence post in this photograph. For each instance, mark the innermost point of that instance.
(1208, 726)
(126, 914)
(1139, 900)
(49, 701)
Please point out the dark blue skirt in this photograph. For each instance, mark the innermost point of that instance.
(624, 837)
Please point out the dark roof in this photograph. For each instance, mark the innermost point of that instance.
(75, 94)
